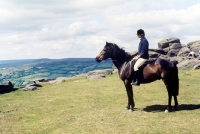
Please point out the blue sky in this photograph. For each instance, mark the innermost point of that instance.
(31, 29)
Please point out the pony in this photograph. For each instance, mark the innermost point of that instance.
(155, 70)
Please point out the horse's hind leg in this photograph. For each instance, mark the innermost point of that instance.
(169, 88)
(175, 102)
(170, 94)
(169, 108)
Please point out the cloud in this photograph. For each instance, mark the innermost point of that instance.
(80, 28)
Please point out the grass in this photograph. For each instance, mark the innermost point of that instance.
(98, 106)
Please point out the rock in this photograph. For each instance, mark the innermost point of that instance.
(173, 53)
(166, 50)
(195, 47)
(42, 81)
(174, 40)
(184, 51)
(6, 86)
(29, 87)
(61, 80)
(191, 43)
(196, 67)
(176, 46)
(188, 63)
(96, 76)
(163, 43)
(115, 71)
(99, 74)
(153, 54)
(159, 51)
(180, 59)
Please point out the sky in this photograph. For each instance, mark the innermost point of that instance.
(33, 29)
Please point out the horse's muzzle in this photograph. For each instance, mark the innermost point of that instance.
(99, 58)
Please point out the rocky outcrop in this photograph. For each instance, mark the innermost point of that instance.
(171, 49)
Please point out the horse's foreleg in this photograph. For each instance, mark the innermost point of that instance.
(129, 91)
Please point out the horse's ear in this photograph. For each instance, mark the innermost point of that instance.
(106, 42)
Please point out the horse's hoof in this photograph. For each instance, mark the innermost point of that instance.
(166, 111)
(127, 107)
(131, 110)
(173, 109)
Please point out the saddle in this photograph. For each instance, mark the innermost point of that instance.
(146, 62)
(140, 71)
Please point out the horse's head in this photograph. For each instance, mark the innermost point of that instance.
(106, 52)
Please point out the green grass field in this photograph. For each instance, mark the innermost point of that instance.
(98, 107)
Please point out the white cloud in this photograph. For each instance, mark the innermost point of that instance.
(80, 28)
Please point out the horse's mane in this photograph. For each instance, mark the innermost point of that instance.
(122, 53)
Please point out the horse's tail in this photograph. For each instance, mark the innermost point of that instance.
(175, 81)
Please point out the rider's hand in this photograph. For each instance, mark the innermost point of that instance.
(136, 57)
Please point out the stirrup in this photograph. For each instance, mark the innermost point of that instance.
(135, 83)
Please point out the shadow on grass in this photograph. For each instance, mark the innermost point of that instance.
(8, 91)
(161, 108)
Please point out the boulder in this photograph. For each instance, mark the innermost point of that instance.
(42, 81)
(166, 50)
(172, 53)
(163, 43)
(159, 51)
(188, 63)
(173, 40)
(61, 80)
(153, 54)
(96, 76)
(191, 43)
(175, 46)
(6, 86)
(195, 47)
(164, 57)
(29, 88)
(196, 67)
(115, 71)
(99, 74)
(184, 51)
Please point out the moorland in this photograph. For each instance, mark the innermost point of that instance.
(98, 106)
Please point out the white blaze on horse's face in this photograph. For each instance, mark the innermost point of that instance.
(105, 53)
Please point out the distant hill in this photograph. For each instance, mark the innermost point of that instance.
(22, 72)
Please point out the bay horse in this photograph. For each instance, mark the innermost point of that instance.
(156, 70)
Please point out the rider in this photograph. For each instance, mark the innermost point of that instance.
(142, 55)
